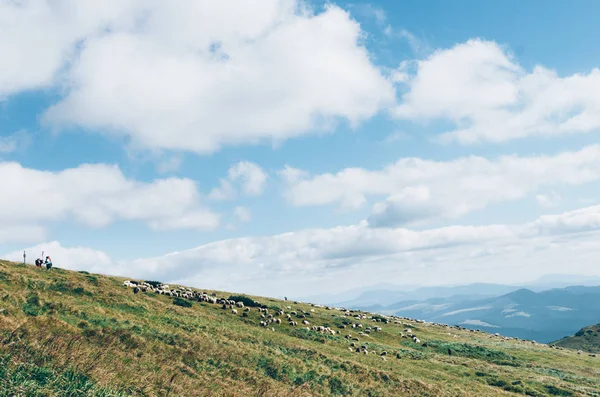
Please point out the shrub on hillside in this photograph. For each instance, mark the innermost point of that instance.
(181, 302)
(245, 299)
(32, 305)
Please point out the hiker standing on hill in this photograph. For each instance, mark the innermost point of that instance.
(48, 263)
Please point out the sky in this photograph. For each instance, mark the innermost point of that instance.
(290, 147)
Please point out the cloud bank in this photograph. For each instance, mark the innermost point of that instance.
(95, 195)
(327, 260)
(418, 190)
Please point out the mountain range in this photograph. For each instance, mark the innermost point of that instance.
(544, 316)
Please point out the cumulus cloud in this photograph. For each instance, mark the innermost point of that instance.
(418, 190)
(13, 142)
(479, 86)
(548, 200)
(251, 178)
(320, 260)
(243, 214)
(39, 37)
(192, 75)
(97, 195)
(576, 221)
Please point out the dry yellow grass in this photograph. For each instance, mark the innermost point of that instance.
(69, 333)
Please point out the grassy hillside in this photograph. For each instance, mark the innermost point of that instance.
(72, 333)
(586, 339)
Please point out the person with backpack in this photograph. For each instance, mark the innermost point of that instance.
(48, 263)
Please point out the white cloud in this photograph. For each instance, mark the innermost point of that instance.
(74, 258)
(293, 175)
(39, 37)
(370, 11)
(548, 200)
(225, 191)
(328, 260)
(250, 176)
(98, 195)
(576, 221)
(479, 323)
(192, 75)
(471, 309)
(559, 308)
(480, 87)
(169, 164)
(17, 233)
(17, 141)
(519, 314)
(242, 214)
(419, 190)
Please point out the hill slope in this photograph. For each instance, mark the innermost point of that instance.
(586, 339)
(70, 333)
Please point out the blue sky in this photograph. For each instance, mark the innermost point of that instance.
(364, 142)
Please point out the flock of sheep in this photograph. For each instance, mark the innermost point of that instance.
(269, 318)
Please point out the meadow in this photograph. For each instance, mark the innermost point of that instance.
(68, 333)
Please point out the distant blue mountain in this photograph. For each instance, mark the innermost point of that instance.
(544, 316)
(381, 295)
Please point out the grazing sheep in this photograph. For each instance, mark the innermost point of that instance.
(136, 290)
(234, 311)
(305, 322)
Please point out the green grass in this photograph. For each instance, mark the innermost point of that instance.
(586, 339)
(66, 333)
